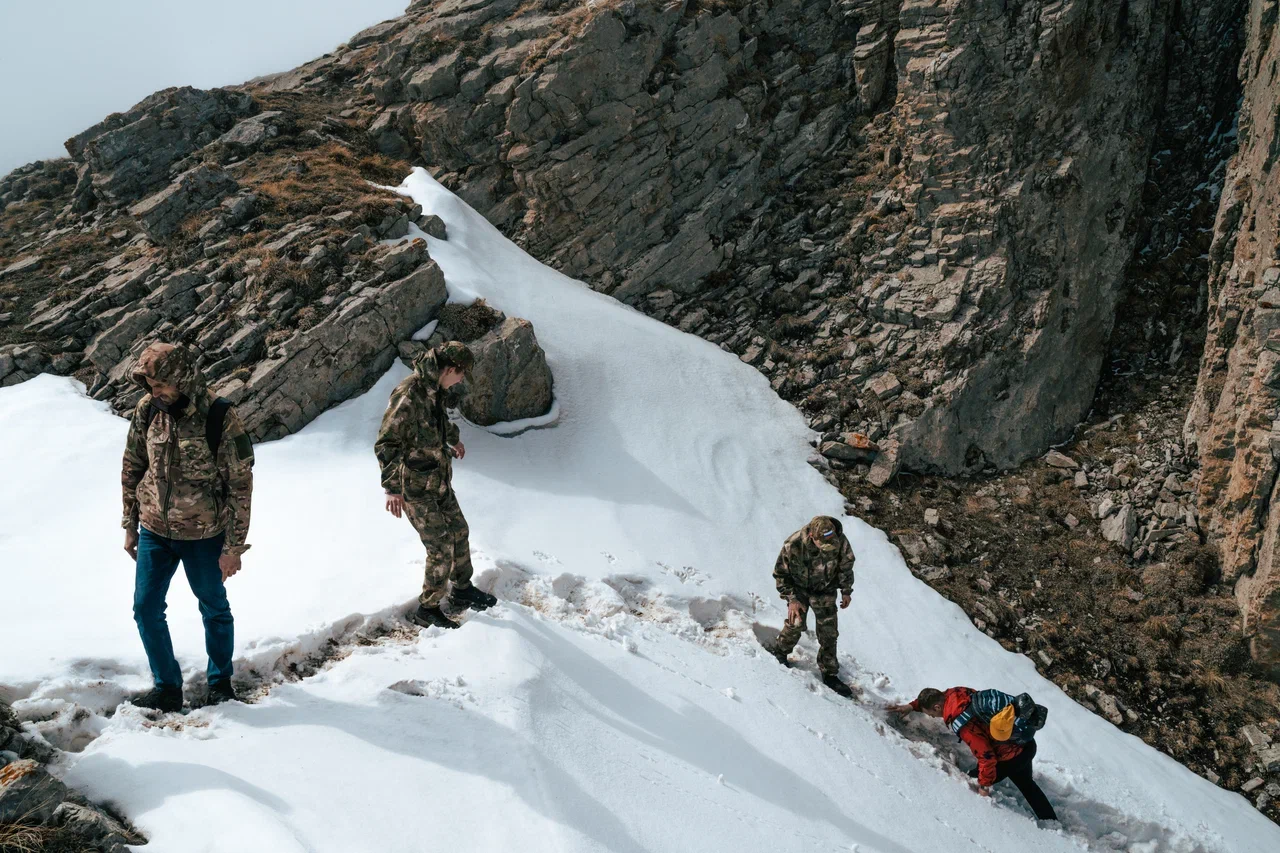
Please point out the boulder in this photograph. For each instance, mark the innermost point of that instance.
(1055, 459)
(1121, 527)
(885, 386)
(1255, 737)
(28, 793)
(886, 464)
(21, 265)
(853, 448)
(93, 826)
(510, 380)
(194, 190)
(8, 719)
(20, 362)
(397, 260)
(252, 133)
(433, 226)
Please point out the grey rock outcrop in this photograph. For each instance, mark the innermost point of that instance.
(602, 131)
(1232, 420)
(985, 265)
(30, 796)
(342, 355)
(20, 362)
(252, 133)
(129, 154)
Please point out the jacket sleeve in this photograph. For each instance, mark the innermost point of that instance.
(983, 750)
(389, 448)
(135, 463)
(782, 573)
(452, 435)
(236, 463)
(846, 567)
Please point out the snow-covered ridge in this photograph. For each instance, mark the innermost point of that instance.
(616, 701)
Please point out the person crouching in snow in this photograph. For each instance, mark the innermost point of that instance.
(814, 566)
(187, 480)
(989, 723)
(415, 448)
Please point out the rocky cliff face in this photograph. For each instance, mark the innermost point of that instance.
(1234, 419)
(957, 299)
(250, 233)
(913, 216)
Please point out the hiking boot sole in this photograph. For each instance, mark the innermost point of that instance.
(445, 622)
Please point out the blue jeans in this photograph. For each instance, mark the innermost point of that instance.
(157, 561)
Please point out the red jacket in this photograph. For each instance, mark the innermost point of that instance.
(988, 752)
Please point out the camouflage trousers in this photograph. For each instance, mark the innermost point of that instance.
(824, 614)
(445, 534)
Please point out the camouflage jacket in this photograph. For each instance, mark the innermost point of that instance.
(415, 443)
(805, 569)
(171, 482)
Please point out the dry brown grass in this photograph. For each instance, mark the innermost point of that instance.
(468, 322)
(16, 838)
(335, 179)
(790, 326)
(1161, 627)
(827, 356)
(273, 274)
(1210, 681)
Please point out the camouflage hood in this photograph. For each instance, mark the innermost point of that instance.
(431, 363)
(425, 365)
(172, 365)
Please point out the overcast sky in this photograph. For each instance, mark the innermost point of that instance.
(65, 64)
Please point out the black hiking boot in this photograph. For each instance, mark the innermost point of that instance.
(431, 617)
(166, 699)
(221, 691)
(779, 655)
(834, 682)
(473, 597)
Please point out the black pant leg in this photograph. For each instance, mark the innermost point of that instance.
(1018, 771)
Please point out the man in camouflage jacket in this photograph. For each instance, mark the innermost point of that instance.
(183, 503)
(816, 563)
(415, 448)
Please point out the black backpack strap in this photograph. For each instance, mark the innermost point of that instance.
(151, 416)
(214, 423)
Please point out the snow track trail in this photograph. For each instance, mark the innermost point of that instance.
(618, 700)
(619, 612)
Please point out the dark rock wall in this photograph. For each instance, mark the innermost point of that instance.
(1234, 418)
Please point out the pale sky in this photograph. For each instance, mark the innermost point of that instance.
(66, 64)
